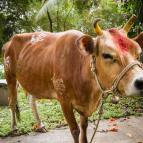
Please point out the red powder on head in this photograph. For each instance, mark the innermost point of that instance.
(122, 42)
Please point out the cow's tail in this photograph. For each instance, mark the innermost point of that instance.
(17, 112)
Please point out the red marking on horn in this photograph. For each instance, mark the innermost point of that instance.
(122, 42)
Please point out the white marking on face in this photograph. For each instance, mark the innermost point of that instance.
(109, 43)
(130, 89)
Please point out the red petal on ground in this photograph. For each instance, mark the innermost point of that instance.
(111, 120)
(113, 129)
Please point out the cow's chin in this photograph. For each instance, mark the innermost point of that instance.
(136, 93)
(133, 92)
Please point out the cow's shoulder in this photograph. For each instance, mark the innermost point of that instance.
(67, 39)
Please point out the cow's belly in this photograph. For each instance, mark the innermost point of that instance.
(34, 73)
(38, 90)
(40, 87)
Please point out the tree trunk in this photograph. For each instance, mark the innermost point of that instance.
(139, 11)
(140, 14)
(50, 21)
(58, 17)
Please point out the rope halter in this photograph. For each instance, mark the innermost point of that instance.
(114, 87)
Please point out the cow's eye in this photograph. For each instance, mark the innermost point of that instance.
(107, 56)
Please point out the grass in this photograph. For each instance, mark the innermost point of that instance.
(52, 116)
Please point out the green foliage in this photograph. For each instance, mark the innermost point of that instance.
(79, 15)
(15, 17)
(130, 7)
(1, 75)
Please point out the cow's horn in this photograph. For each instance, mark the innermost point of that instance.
(129, 24)
(97, 28)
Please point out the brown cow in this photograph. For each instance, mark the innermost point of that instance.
(58, 66)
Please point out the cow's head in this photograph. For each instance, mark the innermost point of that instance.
(114, 51)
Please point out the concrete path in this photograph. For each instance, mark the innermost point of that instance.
(110, 131)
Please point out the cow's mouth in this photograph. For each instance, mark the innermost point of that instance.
(137, 93)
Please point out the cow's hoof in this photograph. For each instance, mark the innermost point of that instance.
(14, 133)
(40, 129)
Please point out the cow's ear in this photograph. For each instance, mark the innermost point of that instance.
(85, 45)
(139, 39)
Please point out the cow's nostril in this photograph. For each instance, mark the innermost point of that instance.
(139, 84)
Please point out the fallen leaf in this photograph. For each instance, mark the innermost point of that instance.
(112, 120)
(113, 129)
(129, 135)
(124, 119)
(114, 124)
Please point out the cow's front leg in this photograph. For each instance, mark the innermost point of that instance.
(39, 127)
(83, 129)
(69, 115)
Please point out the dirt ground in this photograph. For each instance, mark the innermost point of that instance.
(124, 130)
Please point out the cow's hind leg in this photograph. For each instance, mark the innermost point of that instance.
(10, 74)
(13, 104)
(69, 115)
(39, 127)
